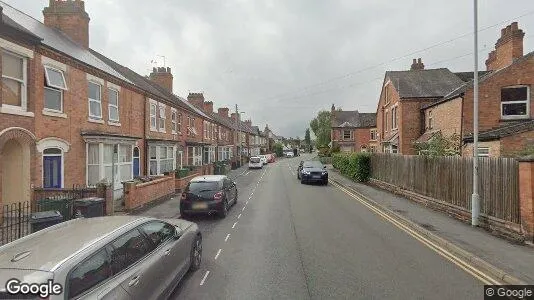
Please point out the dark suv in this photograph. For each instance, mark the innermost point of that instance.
(208, 194)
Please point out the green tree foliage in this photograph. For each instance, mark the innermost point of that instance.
(356, 166)
(278, 149)
(320, 126)
(439, 145)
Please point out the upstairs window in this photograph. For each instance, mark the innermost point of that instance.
(386, 120)
(347, 134)
(153, 116)
(394, 118)
(373, 135)
(53, 91)
(173, 121)
(515, 102)
(113, 99)
(95, 100)
(430, 120)
(179, 125)
(162, 118)
(13, 80)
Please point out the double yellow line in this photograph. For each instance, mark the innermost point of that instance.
(486, 279)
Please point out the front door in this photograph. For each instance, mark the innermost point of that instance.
(52, 171)
(136, 170)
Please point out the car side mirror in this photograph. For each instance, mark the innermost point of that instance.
(177, 233)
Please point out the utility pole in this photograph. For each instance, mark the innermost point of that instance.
(475, 198)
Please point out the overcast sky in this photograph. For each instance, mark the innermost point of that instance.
(282, 61)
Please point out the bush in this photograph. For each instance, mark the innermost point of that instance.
(356, 166)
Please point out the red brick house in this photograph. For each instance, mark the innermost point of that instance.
(399, 119)
(505, 107)
(351, 130)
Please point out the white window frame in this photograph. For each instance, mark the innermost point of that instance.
(153, 116)
(206, 136)
(62, 164)
(486, 151)
(386, 114)
(194, 152)
(59, 89)
(179, 123)
(174, 120)
(99, 101)
(24, 87)
(430, 120)
(113, 90)
(162, 117)
(350, 135)
(526, 102)
(373, 136)
(394, 123)
(102, 166)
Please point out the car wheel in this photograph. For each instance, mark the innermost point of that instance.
(224, 211)
(325, 182)
(302, 181)
(196, 254)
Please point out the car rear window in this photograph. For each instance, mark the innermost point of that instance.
(255, 160)
(203, 186)
(313, 164)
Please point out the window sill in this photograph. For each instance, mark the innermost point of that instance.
(56, 114)
(15, 111)
(113, 123)
(162, 131)
(519, 118)
(153, 129)
(98, 121)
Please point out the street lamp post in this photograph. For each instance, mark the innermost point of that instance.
(475, 198)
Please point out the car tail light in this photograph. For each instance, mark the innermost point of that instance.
(218, 196)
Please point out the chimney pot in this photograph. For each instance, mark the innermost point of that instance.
(515, 26)
(419, 60)
(168, 70)
(154, 69)
(414, 61)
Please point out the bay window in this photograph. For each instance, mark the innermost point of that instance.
(194, 156)
(100, 163)
(162, 159)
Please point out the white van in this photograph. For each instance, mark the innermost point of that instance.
(255, 163)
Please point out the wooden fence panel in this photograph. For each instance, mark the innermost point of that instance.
(450, 179)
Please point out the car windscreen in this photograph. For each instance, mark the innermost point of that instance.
(255, 160)
(203, 186)
(313, 164)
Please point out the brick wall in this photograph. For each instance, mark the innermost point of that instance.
(494, 148)
(490, 95)
(138, 195)
(526, 197)
(383, 105)
(410, 123)
(76, 119)
(512, 145)
(446, 117)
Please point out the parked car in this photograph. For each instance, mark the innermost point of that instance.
(115, 257)
(290, 154)
(255, 163)
(263, 159)
(271, 158)
(312, 171)
(208, 194)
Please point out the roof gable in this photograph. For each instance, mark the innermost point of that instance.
(353, 119)
(432, 83)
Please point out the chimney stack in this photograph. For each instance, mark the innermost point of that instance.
(223, 112)
(417, 64)
(197, 99)
(163, 77)
(70, 17)
(508, 48)
(208, 107)
(235, 116)
(249, 123)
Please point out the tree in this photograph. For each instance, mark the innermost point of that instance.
(278, 149)
(307, 140)
(321, 127)
(439, 145)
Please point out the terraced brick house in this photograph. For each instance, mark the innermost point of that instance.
(350, 130)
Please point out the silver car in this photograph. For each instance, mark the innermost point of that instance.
(118, 257)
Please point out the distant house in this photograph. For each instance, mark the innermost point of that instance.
(352, 130)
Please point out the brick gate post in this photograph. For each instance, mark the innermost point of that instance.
(526, 196)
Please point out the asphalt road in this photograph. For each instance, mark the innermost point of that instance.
(293, 241)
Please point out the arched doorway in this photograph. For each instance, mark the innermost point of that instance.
(136, 160)
(17, 146)
(15, 172)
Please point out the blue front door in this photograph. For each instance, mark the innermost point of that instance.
(52, 171)
(136, 167)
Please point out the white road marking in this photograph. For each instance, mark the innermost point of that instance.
(227, 237)
(239, 216)
(247, 173)
(246, 202)
(252, 194)
(233, 226)
(243, 209)
(218, 253)
(204, 279)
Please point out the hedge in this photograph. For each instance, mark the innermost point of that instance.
(356, 166)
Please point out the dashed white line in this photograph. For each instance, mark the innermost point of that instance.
(243, 209)
(239, 216)
(218, 253)
(227, 237)
(204, 278)
(233, 226)
(246, 202)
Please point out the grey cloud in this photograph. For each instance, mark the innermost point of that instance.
(248, 52)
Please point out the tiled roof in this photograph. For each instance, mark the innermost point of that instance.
(353, 119)
(502, 131)
(223, 120)
(468, 76)
(57, 40)
(432, 83)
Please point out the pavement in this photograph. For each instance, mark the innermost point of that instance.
(286, 240)
(503, 256)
